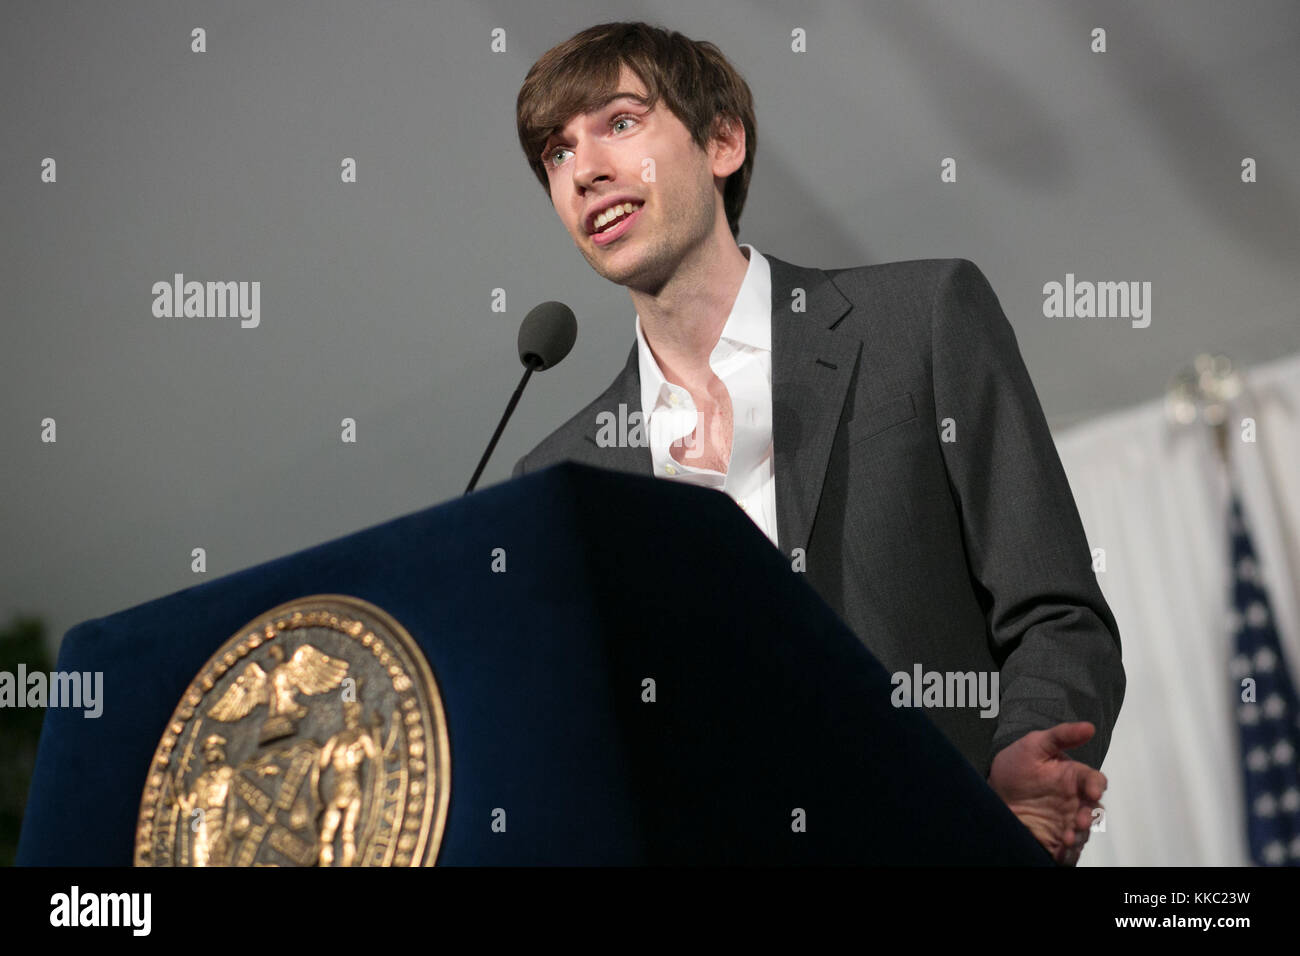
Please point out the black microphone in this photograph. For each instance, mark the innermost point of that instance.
(545, 337)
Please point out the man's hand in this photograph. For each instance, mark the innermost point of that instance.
(1052, 795)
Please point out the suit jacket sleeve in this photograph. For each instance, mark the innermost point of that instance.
(1049, 627)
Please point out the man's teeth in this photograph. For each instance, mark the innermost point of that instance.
(615, 212)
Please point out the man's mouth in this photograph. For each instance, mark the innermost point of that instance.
(615, 221)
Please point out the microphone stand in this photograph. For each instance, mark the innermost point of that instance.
(533, 364)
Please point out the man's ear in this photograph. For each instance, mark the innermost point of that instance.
(727, 145)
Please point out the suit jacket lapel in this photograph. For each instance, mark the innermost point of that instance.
(811, 369)
(622, 398)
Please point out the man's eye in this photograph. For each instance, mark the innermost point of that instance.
(624, 118)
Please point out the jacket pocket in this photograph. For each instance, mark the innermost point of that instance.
(886, 414)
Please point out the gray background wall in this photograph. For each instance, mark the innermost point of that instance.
(177, 433)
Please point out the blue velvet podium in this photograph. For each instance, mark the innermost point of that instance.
(765, 701)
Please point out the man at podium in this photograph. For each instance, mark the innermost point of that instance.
(876, 423)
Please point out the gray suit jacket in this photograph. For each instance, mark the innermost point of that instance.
(960, 555)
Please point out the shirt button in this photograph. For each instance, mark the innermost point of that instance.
(670, 469)
(673, 399)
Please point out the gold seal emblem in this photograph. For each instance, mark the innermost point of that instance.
(315, 736)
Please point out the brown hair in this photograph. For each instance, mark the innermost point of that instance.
(692, 77)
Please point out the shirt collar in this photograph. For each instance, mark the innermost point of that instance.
(750, 324)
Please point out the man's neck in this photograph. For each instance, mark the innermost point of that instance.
(683, 320)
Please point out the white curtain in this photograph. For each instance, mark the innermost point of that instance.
(1154, 496)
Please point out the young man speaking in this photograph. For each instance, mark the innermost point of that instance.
(877, 421)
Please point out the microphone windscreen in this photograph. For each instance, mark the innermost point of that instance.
(547, 332)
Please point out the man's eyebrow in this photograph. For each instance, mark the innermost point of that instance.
(612, 98)
(620, 95)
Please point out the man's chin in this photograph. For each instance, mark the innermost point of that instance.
(613, 265)
(635, 271)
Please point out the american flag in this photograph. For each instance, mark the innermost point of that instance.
(1268, 713)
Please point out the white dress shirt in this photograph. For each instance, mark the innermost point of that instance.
(742, 359)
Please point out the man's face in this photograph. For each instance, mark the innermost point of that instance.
(623, 151)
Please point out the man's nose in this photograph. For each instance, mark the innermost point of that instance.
(592, 164)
